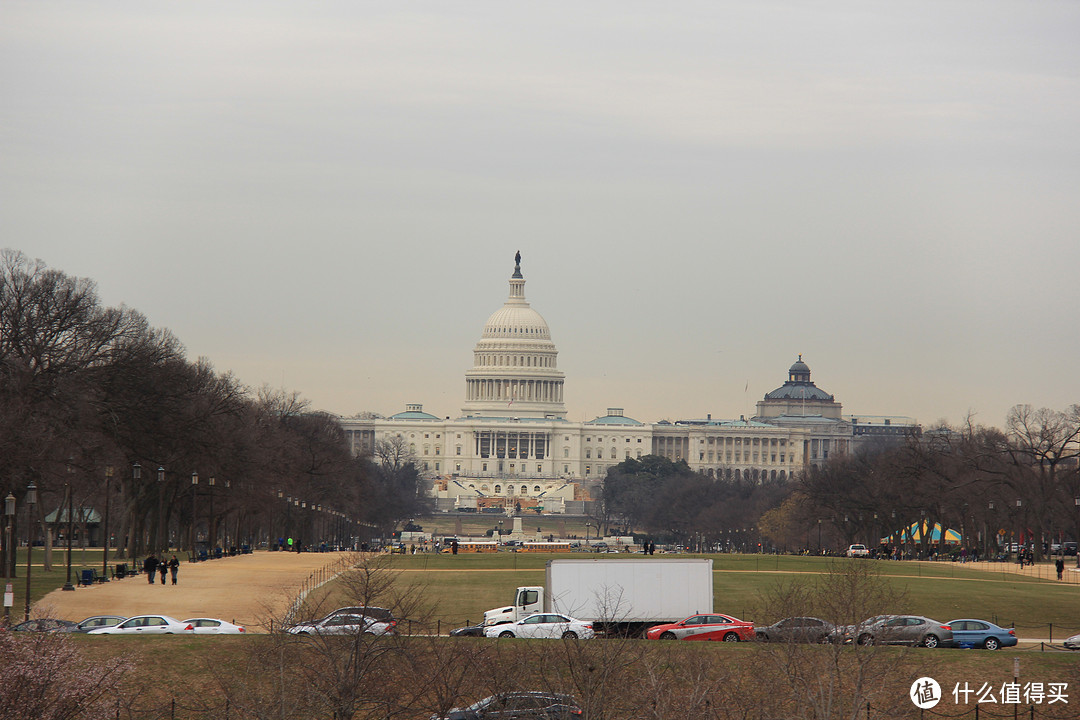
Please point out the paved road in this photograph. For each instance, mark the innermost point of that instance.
(247, 589)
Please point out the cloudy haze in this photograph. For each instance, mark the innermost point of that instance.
(328, 196)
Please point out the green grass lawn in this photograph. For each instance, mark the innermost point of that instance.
(460, 588)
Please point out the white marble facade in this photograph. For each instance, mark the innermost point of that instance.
(512, 444)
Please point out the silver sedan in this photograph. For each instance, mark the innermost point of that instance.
(907, 630)
(342, 625)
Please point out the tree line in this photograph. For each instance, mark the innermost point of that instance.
(98, 406)
(991, 486)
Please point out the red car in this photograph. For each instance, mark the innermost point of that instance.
(704, 627)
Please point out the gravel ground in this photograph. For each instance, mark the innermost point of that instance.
(246, 589)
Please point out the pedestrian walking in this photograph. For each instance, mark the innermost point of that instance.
(174, 567)
(150, 567)
(1060, 565)
(163, 568)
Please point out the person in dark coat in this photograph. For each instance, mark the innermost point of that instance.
(163, 568)
(174, 567)
(1060, 565)
(150, 568)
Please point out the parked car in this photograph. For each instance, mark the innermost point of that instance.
(213, 626)
(380, 614)
(146, 625)
(95, 622)
(468, 631)
(844, 634)
(968, 633)
(542, 625)
(797, 629)
(907, 630)
(854, 551)
(704, 627)
(342, 625)
(1072, 643)
(518, 706)
(44, 625)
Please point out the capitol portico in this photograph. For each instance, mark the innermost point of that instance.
(512, 444)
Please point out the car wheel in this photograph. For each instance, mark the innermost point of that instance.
(731, 637)
(992, 643)
(930, 641)
(865, 640)
(569, 635)
(506, 633)
(668, 636)
(761, 637)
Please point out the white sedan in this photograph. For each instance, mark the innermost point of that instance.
(147, 625)
(342, 625)
(543, 625)
(213, 626)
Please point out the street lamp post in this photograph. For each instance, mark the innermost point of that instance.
(230, 540)
(31, 501)
(274, 544)
(211, 526)
(587, 526)
(67, 498)
(160, 506)
(819, 536)
(1020, 530)
(299, 525)
(105, 540)
(136, 477)
(9, 556)
(194, 514)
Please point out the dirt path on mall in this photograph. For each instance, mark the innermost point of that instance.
(247, 590)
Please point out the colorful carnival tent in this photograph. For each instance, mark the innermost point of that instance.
(914, 533)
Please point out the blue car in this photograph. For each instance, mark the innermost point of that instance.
(968, 633)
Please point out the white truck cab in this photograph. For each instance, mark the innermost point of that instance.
(527, 601)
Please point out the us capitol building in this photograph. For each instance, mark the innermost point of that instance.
(512, 444)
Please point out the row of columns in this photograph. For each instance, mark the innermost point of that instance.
(523, 390)
(512, 445)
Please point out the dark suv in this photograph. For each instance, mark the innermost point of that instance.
(518, 706)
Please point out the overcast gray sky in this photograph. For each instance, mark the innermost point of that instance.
(328, 196)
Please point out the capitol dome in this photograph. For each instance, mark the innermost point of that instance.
(515, 371)
(516, 320)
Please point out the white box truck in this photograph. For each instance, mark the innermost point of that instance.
(622, 596)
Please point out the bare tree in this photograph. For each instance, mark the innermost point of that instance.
(394, 453)
(1042, 444)
(833, 681)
